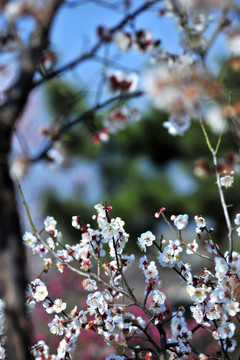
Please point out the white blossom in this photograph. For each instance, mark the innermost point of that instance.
(231, 307)
(170, 255)
(200, 221)
(198, 294)
(237, 219)
(221, 267)
(89, 284)
(29, 239)
(226, 330)
(50, 224)
(197, 312)
(146, 239)
(151, 270)
(192, 247)
(76, 222)
(39, 290)
(226, 181)
(123, 40)
(180, 221)
(213, 311)
(57, 326)
(59, 305)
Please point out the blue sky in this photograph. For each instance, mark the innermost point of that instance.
(74, 32)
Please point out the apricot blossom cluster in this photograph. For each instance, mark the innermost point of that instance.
(100, 261)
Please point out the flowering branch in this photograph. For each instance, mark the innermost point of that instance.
(178, 85)
(220, 190)
(98, 45)
(224, 206)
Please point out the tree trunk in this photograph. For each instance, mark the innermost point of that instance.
(12, 265)
(12, 254)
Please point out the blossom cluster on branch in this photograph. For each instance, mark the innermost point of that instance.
(99, 259)
(180, 85)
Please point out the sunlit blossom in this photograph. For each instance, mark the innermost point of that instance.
(146, 239)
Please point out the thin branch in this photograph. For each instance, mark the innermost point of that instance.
(25, 206)
(169, 224)
(217, 30)
(224, 206)
(220, 190)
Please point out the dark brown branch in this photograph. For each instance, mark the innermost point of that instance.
(150, 339)
(163, 338)
(83, 117)
(97, 46)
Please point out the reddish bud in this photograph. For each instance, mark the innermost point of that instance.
(96, 139)
(181, 308)
(148, 355)
(104, 34)
(161, 12)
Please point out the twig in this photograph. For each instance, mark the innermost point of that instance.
(220, 190)
(224, 206)
(196, 252)
(25, 206)
(169, 224)
(159, 350)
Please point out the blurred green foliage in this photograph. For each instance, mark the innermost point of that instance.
(137, 166)
(63, 100)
